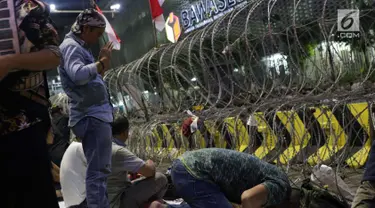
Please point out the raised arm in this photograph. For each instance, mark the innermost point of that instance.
(36, 61)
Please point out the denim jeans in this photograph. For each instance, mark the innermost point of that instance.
(96, 137)
(197, 193)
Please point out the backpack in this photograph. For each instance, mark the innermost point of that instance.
(313, 196)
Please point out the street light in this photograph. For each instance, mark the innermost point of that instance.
(52, 7)
(115, 7)
(193, 79)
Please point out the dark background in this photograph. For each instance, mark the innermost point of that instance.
(133, 24)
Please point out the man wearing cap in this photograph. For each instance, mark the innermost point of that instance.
(90, 115)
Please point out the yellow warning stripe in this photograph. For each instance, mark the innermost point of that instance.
(168, 137)
(198, 137)
(335, 136)
(238, 131)
(180, 137)
(159, 141)
(300, 137)
(361, 112)
(270, 139)
(218, 139)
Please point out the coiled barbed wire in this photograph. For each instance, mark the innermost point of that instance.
(276, 62)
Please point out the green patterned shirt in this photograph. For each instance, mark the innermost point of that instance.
(234, 172)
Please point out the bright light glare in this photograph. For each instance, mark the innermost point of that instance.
(115, 7)
(52, 7)
(235, 70)
(193, 79)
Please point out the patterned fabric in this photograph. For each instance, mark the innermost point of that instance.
(35, 32)
(234, 172)
(90, 17)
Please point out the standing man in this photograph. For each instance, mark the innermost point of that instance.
(29, 47)
(90, 114)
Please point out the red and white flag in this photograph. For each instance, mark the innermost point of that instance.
(112, 36)
(157, 14)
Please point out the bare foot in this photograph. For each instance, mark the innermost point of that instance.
(157, 204)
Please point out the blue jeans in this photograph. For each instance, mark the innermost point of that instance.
(96, 137)
(197, 193)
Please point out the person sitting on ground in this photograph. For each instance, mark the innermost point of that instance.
(72, 176)
(123, 193)
(213, 178)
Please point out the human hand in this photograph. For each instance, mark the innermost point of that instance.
(55, 173)
(59, 194)
(106, 51)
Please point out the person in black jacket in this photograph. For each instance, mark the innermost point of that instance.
(365, 196)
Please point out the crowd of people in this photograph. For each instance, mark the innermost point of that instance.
(40, 163)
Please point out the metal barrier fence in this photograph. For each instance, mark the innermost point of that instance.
(331, 135)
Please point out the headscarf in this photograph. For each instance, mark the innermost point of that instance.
(90, 17)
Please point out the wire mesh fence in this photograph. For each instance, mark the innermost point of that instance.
(276, 79)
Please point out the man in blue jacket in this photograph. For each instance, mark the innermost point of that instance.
(91, 112)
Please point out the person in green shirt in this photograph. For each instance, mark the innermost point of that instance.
(214, 177)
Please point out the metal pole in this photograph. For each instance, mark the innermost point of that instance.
(79, 11)
(153, 26)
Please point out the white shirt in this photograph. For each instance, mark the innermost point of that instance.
(73, 174)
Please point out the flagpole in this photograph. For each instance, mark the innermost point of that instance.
(153, 26)
(161, 87)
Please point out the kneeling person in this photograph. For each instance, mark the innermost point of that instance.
(215, 177)
(122, 192)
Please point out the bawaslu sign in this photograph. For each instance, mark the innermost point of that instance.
(204, 12)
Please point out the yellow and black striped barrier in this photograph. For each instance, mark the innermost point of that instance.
(282, 135)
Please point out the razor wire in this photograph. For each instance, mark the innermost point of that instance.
(272, 61)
